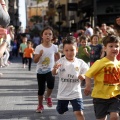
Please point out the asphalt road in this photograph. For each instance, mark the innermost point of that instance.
(18, 96)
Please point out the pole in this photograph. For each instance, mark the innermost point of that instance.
(95, 12)
(59, 23)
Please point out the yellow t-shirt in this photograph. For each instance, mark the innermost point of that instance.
(106, 76)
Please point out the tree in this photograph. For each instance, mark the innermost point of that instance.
(36, 19)
(37, 1)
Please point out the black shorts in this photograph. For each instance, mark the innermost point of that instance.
(102, 107)
(42, 80)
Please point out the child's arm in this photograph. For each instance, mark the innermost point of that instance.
(24, 53)
(87, 89)
(86, 52)
(57, 56)
(81, 77)
(37, 56)
(55, 69)
(20, 49)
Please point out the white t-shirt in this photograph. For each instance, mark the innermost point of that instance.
(46, 62)
(89, 31)
(69, 85)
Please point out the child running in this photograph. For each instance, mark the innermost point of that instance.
(23, 45)
(96, 50)
(84, 49)
(44, 57)
(71, 72)
(28, 54)
(106, 74)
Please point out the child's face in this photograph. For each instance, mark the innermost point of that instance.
(112, 50)
(118, 21)
(69, 51)
(83, 43)
(29, 45)
(47, 35)
(95, 40)
(24, 39)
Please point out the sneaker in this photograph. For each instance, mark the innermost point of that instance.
(40, 109)
(49, 102)
(6, 64)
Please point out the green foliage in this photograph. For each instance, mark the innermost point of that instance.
(36, 19)
(38, 1)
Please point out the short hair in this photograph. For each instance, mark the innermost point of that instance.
(29, 42)
(69, 40)
(110, 38)
(88, 24)
(83, 37)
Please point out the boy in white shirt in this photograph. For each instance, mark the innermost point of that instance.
(71, 72)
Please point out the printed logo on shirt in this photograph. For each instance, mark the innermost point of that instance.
(77, 68)
(46, 62)
(111, 76)
(70, 78)
(62, 69)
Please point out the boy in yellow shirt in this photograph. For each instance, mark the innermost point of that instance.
(106, 74)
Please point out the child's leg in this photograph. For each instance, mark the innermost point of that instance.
(62, 106)
(6, 57)
(114, 108)
(50, 84)
(29, 63)
(41, 88)
(114, 116)
(48, 93)
(79, 115)
(105, 118)
(24, 59)
(77, 105)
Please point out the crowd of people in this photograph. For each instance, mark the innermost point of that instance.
(90, 54)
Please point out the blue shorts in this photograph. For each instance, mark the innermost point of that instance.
(62, 105)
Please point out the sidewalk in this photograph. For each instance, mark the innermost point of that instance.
(18, 97)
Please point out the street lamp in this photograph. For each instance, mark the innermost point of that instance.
(59, 9)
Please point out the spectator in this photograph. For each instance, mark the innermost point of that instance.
(4, 22)
(117, 31)
(89, 30)
(84, 49)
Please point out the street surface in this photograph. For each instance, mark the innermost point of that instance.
(18, 96)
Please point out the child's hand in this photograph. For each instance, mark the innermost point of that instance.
(55, 69)
(85, 50)
(81, 77)
(87, 90)
(41, 52)
(57, 56)
(56, 66)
